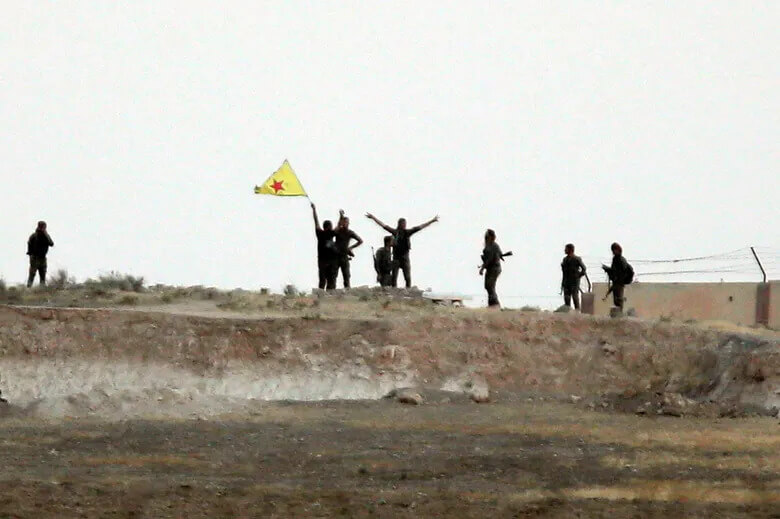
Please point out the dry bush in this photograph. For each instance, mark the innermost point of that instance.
(61, 280)
(115, 281)
(128, 299)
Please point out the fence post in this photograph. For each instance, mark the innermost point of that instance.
(762, 303)
(763, 272)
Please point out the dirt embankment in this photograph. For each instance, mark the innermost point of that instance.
(63, 362)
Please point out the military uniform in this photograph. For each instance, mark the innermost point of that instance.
(401, 249)
(573, 269)
(618, 272)
(383, 264)
(343, 237)
(326, 259)
(491, 260)
(37, 247)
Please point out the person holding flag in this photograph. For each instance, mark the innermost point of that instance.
(327, 255)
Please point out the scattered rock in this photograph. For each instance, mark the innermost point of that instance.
(478, 390)
(608, 349)
(575, 399)
(406, 395)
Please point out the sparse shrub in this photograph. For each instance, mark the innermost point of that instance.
(61, 280)
(128, 299)
(3, 286)
(115, 281)
(264, 291)
(13, 295)
(291, 291)
(166, 297)
(529, 308)
(364, 297)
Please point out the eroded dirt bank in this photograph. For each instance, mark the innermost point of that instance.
(119, 364)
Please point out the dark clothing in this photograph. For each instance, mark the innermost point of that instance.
(401, 247)
(403, 244)
(402, 264)
(326, 246)
(618, 272)
(571, 294)
(37, 247)
(343, 237)
(37, 266)
(491, 261)
(343, 265)
(491, 277)
(38, 244)
(491, 257)
(327, 259)
(383, 264)
(327, 271)
(617, 295)
(573, 269)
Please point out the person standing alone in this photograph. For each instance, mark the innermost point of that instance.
(491, 267)
(402, 246)
(37, 247)
(573, 269)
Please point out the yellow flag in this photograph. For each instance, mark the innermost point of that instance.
(283, 182)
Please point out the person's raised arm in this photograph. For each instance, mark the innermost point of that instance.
(426, 224)
(380, 223)
(316, 220)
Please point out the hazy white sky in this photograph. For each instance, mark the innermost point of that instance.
(138, 130)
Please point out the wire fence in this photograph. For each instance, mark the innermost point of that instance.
(736, 265)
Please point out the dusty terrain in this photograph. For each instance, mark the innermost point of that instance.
(231, 406)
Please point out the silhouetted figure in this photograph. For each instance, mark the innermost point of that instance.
(402, 246)
(491, 267)
(37, 247)
(383, 263)
(344, 235)
(573, 269)
(620, 274)
(327, 256)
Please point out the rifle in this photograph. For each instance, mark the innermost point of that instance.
(504, 255)
(376, 266)
(609, 281)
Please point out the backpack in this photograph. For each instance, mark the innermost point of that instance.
(629, 274)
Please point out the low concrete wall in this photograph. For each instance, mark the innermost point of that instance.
(734, 302)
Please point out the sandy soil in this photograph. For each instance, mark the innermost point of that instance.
(512, 458)
(183, 410)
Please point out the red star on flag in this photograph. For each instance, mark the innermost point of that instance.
(277, 185)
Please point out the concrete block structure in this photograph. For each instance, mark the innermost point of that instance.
(740, 303)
